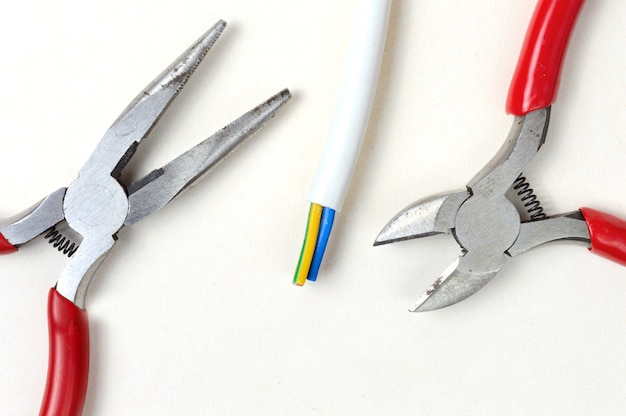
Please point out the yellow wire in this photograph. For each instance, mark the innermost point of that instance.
(308, 246)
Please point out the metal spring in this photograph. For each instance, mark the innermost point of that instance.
(60, 242)
(528, 198)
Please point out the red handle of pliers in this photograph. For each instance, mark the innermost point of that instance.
(608, 235)
(536, 78)
(5, 246)
(68, 360)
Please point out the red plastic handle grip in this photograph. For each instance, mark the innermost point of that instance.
(536, 78)
(5, 246)
(608, 235)
(68, 362)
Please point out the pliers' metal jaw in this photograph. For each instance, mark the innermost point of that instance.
(488, 225)
(484, 222)
(97, 204)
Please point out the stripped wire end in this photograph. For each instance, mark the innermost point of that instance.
(318, 228)
(347, 130)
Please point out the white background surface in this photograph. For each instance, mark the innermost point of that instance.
(194, 312)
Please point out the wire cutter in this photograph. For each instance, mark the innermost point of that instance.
(97, 205)
(485, 219)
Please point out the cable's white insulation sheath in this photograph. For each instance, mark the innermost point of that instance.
(354, 104)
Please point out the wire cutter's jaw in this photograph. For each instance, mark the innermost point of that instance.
(464, 277)
(484, 228)
(429, 216)
(437, 214)
(487, 224)
(482, 219)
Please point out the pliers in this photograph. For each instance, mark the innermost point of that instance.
(98, 204)
(486, 220)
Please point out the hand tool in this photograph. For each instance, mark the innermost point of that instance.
(346, 134)
(97, 205)
(485, 219)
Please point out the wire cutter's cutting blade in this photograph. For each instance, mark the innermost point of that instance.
(466, 276)
(429, 216)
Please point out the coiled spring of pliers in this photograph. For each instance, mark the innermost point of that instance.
(60, 241)
(527, 196)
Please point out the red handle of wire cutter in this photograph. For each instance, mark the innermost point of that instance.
(608, 235)
(536, 78)
(5, 246)
(68, 362)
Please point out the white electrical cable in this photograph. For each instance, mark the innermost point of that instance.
(354, 105)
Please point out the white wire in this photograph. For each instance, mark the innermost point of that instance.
(356, 95)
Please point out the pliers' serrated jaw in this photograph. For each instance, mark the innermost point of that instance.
(139, 118)
(152, 192)
(182, 68)
(433, 215)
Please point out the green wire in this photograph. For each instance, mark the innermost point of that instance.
(308, 245)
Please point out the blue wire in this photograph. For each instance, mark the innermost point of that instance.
(326, 226)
